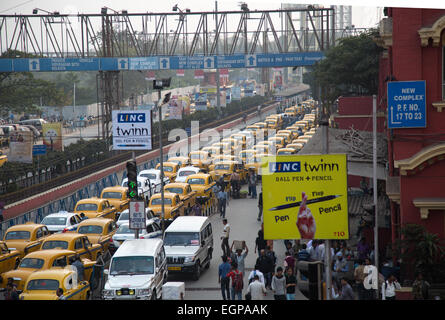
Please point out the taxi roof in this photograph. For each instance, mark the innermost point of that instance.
(95, 221)
(286, 149)
(167, 164)
(45, 254)
(63, 236)
(115, 188)
(176, 184)
(198, 175)
(92, 199)
(25, 227)
(57, 274)
(166, 195)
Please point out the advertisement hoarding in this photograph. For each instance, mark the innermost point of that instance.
(20, 146)
(305, 197)
(52, 136)
(131, 130)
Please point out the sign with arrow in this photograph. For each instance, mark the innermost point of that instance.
(137, 215)
(406, 104)
(209, 63)
(164, 63)
(122, 64)
(251, 60)
(34, 65)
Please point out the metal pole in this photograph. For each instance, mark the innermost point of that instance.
(218, 92)
(161, 154)
(136, 231)
(324, 123)
(374, 169)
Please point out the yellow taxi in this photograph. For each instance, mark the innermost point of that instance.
(213, 151)
(296, 146)
(241, 138)
(173, 206)
(117, 197)
(262, 149)
(246, 154)
(270, 144)
(255, 162)
(290, 135)
(254, 129)
(9, 258)
(225, 169)
(3, 158)
(203, 185)
(272, 123)
(291, 111)
(43, 285)
(170, 169)
(181, 161)
(200, 159)
(294, 132)
(98, 230)
(287, 137)
(300, 140)
(305, 136)
(286, 151)
(278, 118)
(304, 123)
(279, 142)
(42, 260)
(224, 147)
(74, 242)
(185, 192)
(234, 143)
(26, 238)
(309, 133)
(95, 208)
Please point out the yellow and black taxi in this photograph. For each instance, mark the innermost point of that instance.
(3, 157)
(288, 134)
(296, 146)
(300, 141)
(255, 162)
(254, 129)
(271, 144)
(170, 169)
(224, 147)
(180, 160)
(272, 123)
(203, 184)
(95, 208)
(173, 206)
(227, 168)
(185, 192)
(213, 151)
(200, 159)
(235, 144)
(286, 151)
(9, 257)
(117, 197)
(43, 285)
(75, 242)
(98, 230)
(246, 154)
(26, 238)
(262, 148)
(241, 138)
(43, 260)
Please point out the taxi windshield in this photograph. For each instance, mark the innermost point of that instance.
(90, 230)
(18, 235)
(32, 263)
(174, 190)
(112, 195)
(285, 153)
(196, 180)
(43, 284)
(186, 173)
(158, 201)
(86, 207)
(168, 169)
(221, 166)
(55, 244)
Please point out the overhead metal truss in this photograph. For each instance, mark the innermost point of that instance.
(166, 34)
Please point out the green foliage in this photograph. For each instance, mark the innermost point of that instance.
(349, 68)
(421, 251)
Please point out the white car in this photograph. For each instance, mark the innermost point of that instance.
(184, 172)
(154, 175)
(61, 222)
(144, 188)
(124, 233)
(125, 216)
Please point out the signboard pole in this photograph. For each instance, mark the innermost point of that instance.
(374, 180)
(161, 154)
(325, 143)
(136, 231)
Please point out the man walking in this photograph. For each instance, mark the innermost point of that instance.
(345, 292)
(237, 281)
(265, 265)
(256, 272)
(260, 243)
(79, 267)
(225, 238)
(260, 206)
(252, 183)
(223, 279)
(256, 289)
(240, 256)
(222, 202)
(279, 285)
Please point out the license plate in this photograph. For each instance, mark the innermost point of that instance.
(174, 268)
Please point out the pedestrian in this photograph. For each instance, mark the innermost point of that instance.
(260, 206)
(225, 238)
(363, 249)
(389, 288)
(223, 271)
(79, 267)
(197, 209)
(265, 265)
(279, 285)
(290, 249)
(237, 282)
(420, 288)
(252, 179)
(11, 292)
(240, 256)
(222, 202)
(256, 289)
(303, 254)
(313, 253)
(291, 284)
(345, 292)
(340, 267)
(235, 183)
(271, 254)
(359, 277)
(289, 261)
(255, 272)
(260, 243)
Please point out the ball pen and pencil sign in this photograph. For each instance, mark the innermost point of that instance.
(305, 197)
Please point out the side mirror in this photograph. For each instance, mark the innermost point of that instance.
(106, 271)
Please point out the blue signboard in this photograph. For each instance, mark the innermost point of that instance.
(406, 104)
(39, 149)
(264, 60)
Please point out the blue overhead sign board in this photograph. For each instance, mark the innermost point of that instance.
(38, 149)
(263, 60)
(406, 104)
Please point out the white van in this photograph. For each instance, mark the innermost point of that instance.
(188, 242)
(138, 270)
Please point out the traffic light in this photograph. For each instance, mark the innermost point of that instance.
(132, 175)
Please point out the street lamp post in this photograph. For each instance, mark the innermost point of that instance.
(159, 85)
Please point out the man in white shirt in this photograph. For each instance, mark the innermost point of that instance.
(389, 288)
(320, 251)
(257, 289)
(258, 273)
(225, 239)
(313, 253)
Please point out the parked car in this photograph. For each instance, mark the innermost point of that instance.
(185, 192)
(95, 208)
(138, 270)
(186, 171)
(117, 197)
(125, 216)
(9, 258)
(145, 188)
(43, 285)
(154, 175)
(98, 230)
(152, 230)
(61, 221)
(74, 242)
(173, 206)
(26, 238)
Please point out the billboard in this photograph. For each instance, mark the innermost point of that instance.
(175, 108)
(201, 101)
(305, 197)
(184, 101)
(52, 136)
(236, 93)
(131, 130)
(20, 146)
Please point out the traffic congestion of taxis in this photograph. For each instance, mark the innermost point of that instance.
(55, 259)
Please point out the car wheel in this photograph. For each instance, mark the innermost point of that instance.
(197, 272)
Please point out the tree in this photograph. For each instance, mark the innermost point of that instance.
(349, 68)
